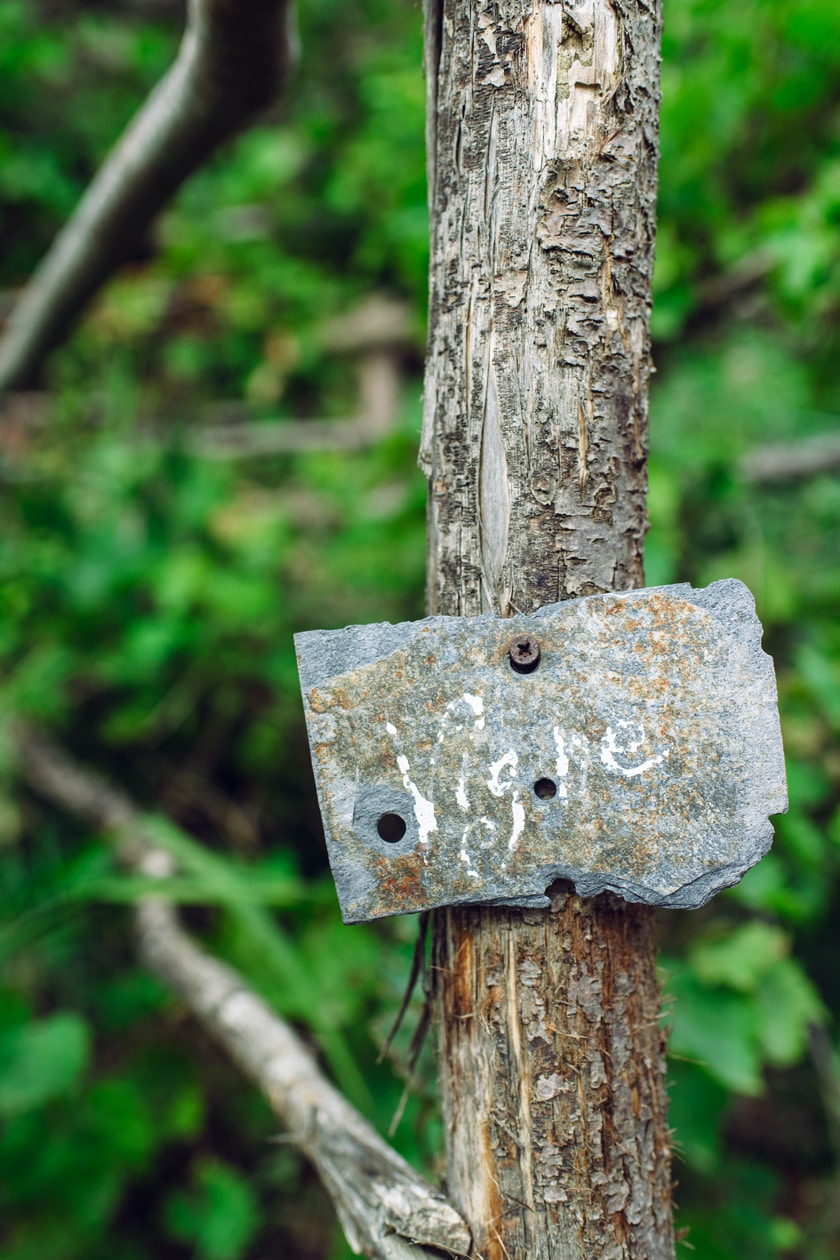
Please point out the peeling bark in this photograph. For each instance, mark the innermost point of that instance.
(552, 1063)
(544, 131)
(542, 125)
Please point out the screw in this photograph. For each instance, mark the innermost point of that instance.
(524, 653)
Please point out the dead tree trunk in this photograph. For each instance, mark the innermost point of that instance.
(542, 161)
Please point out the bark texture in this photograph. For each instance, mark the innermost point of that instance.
(542, 131)
(552, 1063)
(232, 62)
(543, 186)
(387, 1211)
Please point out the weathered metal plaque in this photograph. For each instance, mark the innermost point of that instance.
(640, 753)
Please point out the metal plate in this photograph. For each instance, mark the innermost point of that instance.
(642, 755)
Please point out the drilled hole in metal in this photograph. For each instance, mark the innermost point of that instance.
(391, 828)
(545, 789)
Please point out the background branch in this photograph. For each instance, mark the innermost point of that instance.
(789, 461)
(386, 1209)
(231, 64)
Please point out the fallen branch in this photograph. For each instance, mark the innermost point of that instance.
(244, 440)
(285, 437)
(788, 461)
(231, 64)
(386, 1209)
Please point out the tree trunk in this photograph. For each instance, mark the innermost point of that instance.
(542, 168)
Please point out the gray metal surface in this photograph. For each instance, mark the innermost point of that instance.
(642, 755)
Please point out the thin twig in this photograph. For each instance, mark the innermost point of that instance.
(414, 1049)
(418, 958)
(286, 437)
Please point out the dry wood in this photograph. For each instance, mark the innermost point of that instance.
(231, 64)
(812, 456)
(386, 1209)
(542, 129)
(223, 442)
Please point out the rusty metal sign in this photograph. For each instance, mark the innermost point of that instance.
(626, 742)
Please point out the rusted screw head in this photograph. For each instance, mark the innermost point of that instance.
(524, 653)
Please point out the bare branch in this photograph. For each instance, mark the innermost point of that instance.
(232, 62)
(386, 1209)
(788, 461)
(286, 437)
(223, 442)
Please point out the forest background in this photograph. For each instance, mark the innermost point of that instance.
(158, 547)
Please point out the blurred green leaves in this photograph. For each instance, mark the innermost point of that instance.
(147, 602)
(742, 1003)
(41, 1060)
(219, 1217)
(750, 134)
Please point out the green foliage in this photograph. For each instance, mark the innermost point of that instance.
(749, 160)
(148, 597)
(40, 1060)
(741, 1004)
(219, 1218)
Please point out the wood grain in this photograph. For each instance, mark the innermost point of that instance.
(542, 126)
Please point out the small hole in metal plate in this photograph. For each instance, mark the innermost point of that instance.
(545, 789)
(391, 828)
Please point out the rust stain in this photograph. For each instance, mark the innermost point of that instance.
(617, 763)
(399, 878)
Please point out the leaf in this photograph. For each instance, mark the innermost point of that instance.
(296, 988)
(697, 1104)
(786, 1004)
(219, 1217)
(252, 888)
(718, 1030)
(41, 1061)
(741, 958)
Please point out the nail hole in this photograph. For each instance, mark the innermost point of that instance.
(391, 828)
(545, 789)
